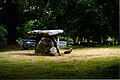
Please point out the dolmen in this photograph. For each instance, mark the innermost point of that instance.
(47, 42)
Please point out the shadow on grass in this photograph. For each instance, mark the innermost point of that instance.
(30, 54)
(25, 54)
(113, 71)
(4, 50)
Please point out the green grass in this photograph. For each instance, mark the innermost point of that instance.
(16, 66)
(84, 47)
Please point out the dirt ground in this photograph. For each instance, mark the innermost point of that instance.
(84, 53)
(12, 47)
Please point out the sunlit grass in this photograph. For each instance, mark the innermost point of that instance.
(102, 63)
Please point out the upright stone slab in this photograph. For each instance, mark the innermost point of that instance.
(43, 47)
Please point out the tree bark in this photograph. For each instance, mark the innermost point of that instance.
(119, 24)
(11, 20)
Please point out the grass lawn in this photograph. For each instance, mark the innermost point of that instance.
(82, 63)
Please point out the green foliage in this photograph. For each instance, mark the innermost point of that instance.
(63, 38)
(28, 26)
(3, 36)
(3, 33)
(78, 18)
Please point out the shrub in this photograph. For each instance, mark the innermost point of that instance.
(3, 37)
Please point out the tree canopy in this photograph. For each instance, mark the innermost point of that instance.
(94, 20)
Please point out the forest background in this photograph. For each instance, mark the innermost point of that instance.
(82, 20)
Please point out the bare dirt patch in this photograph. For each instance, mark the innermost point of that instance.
(76, 53)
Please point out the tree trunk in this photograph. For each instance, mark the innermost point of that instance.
(104, 40)
(11, 35)
(119, 31)
(75, 40)
(119, 35)
(10, 20)
(119, 25)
